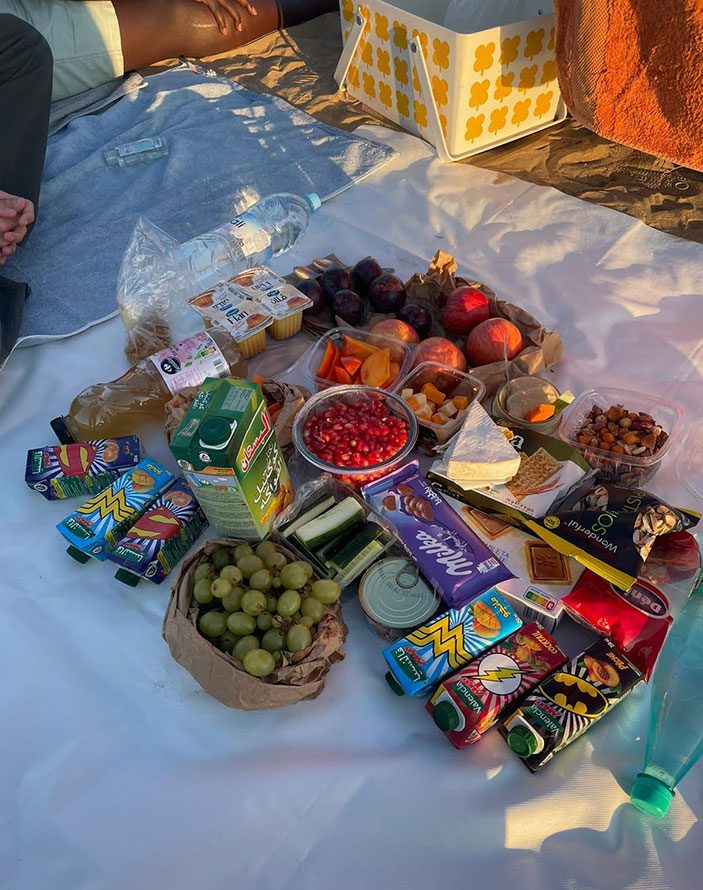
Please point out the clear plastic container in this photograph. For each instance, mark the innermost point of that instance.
(310, 360)
(449, 381)
(622, 469)
(355, 394)
(499, 407)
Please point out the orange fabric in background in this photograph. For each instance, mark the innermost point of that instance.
(632, 71)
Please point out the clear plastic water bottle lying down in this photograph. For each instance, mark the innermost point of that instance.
(675, 739)
(267, 229)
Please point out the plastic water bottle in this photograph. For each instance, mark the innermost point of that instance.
(267, 229)
(676, 725)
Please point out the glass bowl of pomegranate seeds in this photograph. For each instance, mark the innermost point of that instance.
(356, 433)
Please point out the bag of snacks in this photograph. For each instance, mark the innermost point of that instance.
(283, 402)
(609, 529)
(637, 621)
(296, 677)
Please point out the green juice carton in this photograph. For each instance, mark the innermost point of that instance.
(229, 453)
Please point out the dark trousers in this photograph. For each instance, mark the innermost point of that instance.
(25, 98)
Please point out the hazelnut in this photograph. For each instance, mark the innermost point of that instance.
(625, 422)
(607, 436)
(615, 412)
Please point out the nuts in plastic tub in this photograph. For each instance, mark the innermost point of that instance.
(623, 434)
(440, 397)
(244, 320)
(283, 301)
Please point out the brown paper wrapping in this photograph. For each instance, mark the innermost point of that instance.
(300, 676)
(542, 348)
(292, 399)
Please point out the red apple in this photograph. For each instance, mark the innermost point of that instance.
(396, 330)
(437, 349)
(466, 307)
(488, 340)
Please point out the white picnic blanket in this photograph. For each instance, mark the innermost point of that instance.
(119, 772)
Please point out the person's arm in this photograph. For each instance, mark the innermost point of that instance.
(218, 9)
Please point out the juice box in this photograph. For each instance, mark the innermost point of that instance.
(447, 643)
(160, 537)
(228, 450)
(82, 468)
(95, 527)
(468, 703)
(568, 702)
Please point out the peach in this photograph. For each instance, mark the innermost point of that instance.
(488, 341)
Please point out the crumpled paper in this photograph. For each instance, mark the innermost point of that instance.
(299, 677)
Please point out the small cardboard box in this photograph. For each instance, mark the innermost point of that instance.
(228, 450)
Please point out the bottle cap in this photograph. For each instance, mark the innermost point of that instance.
(394, 684)
(522, 741)
(445, 716)
(313, 201)
(214, 431)
(651, 795)
(63, 434)
(77, 554)
(127, 577)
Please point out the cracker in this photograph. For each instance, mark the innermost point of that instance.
(534, 471)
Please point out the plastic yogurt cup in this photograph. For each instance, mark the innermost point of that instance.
(396, 598)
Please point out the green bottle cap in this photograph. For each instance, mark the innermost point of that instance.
(651, 795)
(77, 554)
(522, 741)
(214, 431)
(445, 716)
(127, 577)
(394, 684)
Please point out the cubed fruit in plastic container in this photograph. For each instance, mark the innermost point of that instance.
(622, 469)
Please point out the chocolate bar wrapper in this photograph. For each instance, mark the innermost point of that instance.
(81, 468)
(96, 526)
(159, 538)
(468, 703)
(549, 469)
(610, 529)
(451, 557)
(448, 642)
(568, 702)
(542, 575)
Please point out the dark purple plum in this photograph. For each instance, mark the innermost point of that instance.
(312, 290)
(364, 273)
(334, 279)
(417, 317)
(387, 293)
(347, 305)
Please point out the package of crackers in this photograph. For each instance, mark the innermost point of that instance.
(543, 576)
(549, 470)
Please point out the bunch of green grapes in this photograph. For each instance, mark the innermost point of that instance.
(255, 604)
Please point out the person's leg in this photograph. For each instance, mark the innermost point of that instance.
(25, 97)
(153, 30)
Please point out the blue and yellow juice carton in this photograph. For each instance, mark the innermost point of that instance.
(96, 526)
(448, 642)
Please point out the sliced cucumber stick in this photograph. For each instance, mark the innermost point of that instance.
(331, 524)
(317, 508)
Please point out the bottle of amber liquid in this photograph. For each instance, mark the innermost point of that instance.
(118, 407)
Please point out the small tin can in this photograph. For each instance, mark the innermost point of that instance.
(396, 598)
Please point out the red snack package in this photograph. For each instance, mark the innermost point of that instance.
(637, 621)
(673, 558)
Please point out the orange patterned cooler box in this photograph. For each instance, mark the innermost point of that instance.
(462, 92)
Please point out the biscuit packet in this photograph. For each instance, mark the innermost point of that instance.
(610, 529)
(549, 469)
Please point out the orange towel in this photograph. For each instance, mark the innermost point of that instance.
(632, 71)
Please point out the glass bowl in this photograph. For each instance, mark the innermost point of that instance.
(355, 476)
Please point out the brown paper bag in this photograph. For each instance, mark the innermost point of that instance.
(300, 676)
(291, 398)
(542, 348)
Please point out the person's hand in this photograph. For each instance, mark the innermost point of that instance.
(219, 7)
(15, 215)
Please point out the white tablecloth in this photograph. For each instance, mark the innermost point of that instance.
(119, 772)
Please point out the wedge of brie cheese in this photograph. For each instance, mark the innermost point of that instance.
(480, 453)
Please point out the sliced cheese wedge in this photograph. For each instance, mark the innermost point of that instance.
(480, 451)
